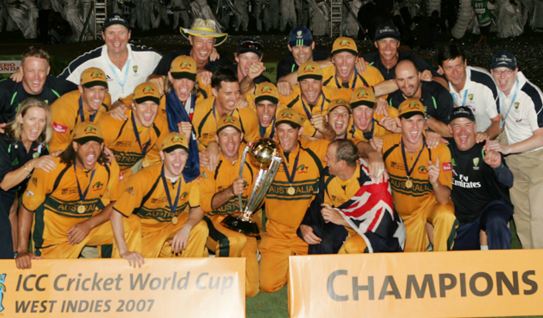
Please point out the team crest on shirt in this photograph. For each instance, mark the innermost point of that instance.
(302, 169)
(516, 105)
(135, 68)
(470, 97)
(446, 166)
(476, 163)
(97, 186)
(422, 169)
(130, 190)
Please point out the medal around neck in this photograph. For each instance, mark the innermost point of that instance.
(262, 154)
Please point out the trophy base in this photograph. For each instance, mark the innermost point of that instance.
(234, 223)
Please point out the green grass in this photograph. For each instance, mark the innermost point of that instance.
(268, 305)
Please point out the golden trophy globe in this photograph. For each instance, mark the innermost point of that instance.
(263, 155)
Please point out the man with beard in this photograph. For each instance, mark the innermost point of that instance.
(87, 104)
(165, 209)
(220, 190)
(521, 104)
(436, 99)
(64, 201)
(421, 181)
(479, 192)
(473, 87)
(35, 82)
(290, 194)
(126, 65)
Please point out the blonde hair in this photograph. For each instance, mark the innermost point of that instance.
(16, 126)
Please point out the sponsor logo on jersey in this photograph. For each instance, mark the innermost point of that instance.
(446, 166)
(463, 182)
(59, 128)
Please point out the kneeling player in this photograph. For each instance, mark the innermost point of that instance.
(220, 189)
(66, 202)
(167, 208)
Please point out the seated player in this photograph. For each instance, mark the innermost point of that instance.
(351, 213)
(64, 206)
(167, 209)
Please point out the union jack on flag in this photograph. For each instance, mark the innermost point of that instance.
(370, 212)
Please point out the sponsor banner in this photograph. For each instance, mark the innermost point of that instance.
(446, 284)
(199, 287)
(9, 64)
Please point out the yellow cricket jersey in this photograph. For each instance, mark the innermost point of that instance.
(213, 181)
(119, 136)
(339, 191)
(205, 120)
(420, 195)
(144, 195)
(357, 135)
(296, 102)
(370, 77)
(66, 112)
(54, 198)
(289, 208)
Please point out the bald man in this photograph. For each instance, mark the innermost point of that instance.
(436, 98)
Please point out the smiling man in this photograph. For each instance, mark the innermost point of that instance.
(87, 104)
(480, 184)
(164, 207)
(64, 202)
(36, 82)
(132, 139)
(421, 181)
(126, 65)
(521, 104)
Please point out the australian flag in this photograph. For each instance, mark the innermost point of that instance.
(370, 212)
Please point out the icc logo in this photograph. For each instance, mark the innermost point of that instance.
(2, 291)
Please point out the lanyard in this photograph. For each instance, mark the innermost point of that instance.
(354, 81)
(82, 114)
(290, 177)
(408, 170)
(143, 148)
(464, 98)
(83, 195)
(173, 206)
(309, 110)
(125, 77)
(502, 100)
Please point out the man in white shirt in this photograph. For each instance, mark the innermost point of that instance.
(126, 65)
(521, 104)
(473, 87)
